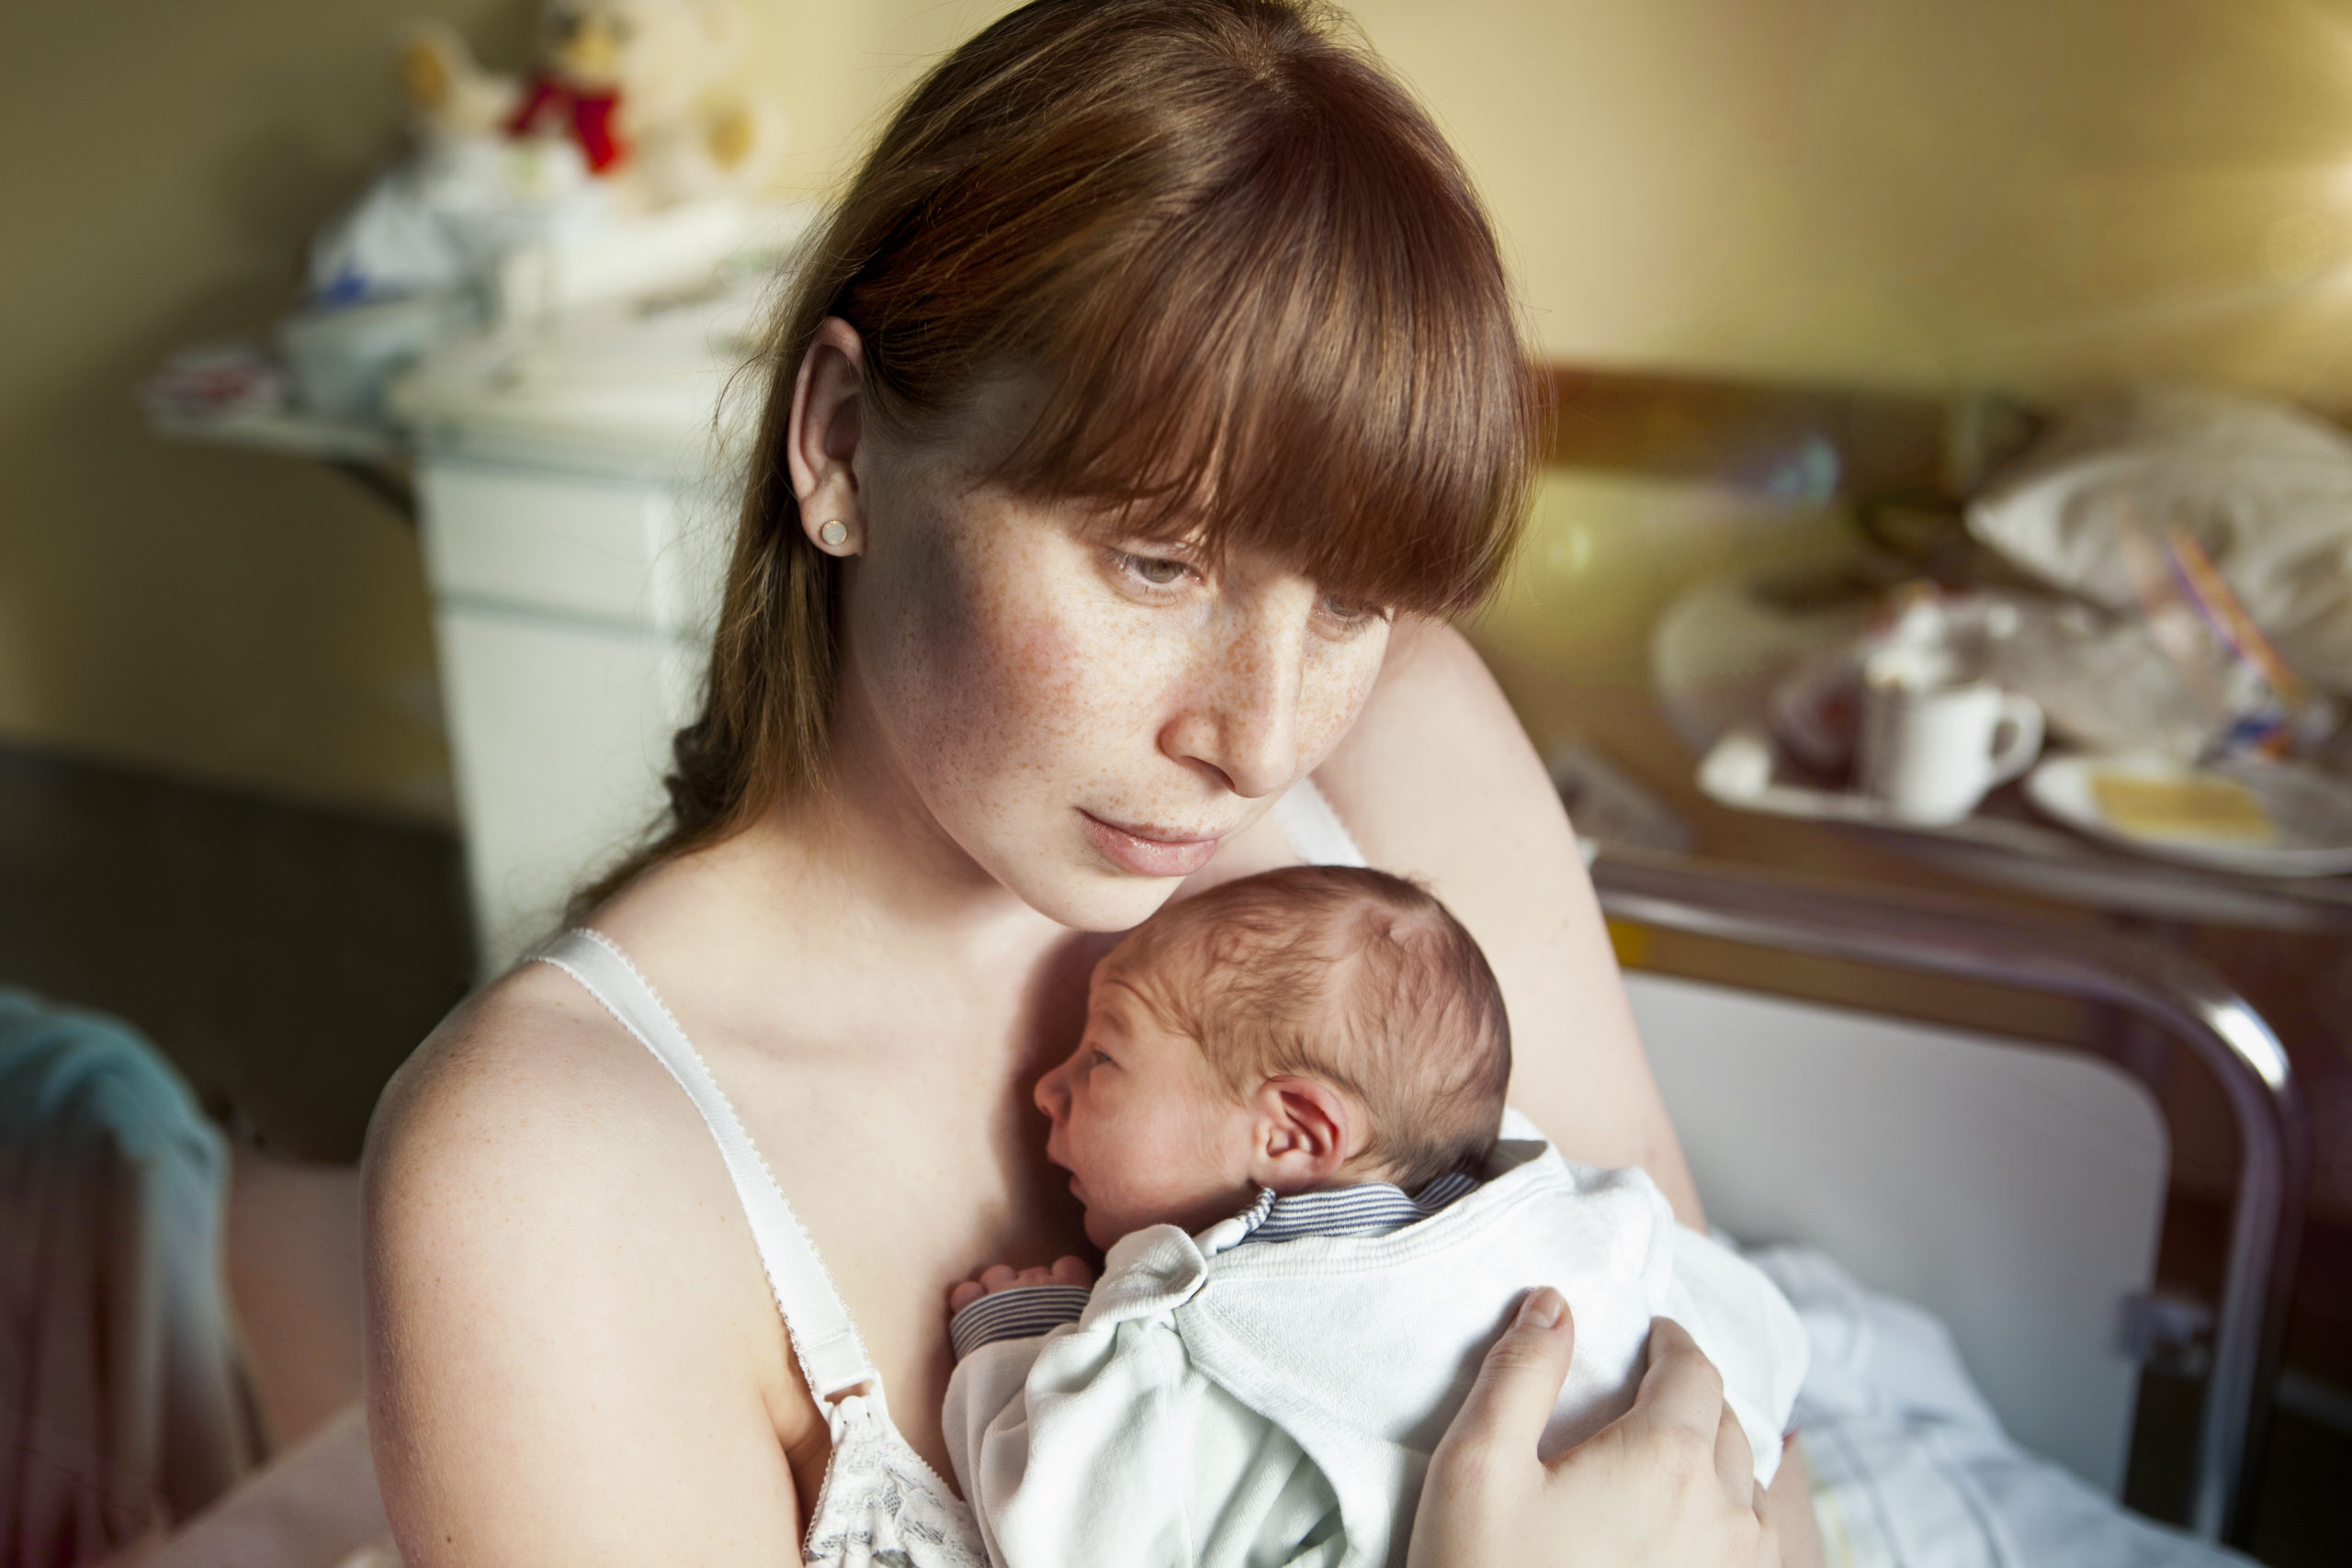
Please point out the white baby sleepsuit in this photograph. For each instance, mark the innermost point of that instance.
(1223, 1403)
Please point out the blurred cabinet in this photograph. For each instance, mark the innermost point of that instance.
(569, 615)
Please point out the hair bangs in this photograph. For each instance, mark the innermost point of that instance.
(1312, 355)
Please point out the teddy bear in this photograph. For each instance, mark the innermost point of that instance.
(644, 89)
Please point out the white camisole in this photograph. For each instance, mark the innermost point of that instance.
(881, 1503)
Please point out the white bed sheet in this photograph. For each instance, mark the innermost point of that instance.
(1910, 1466)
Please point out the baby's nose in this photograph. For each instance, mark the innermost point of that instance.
(1052, 1093)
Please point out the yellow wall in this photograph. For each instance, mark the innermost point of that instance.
(228, 618)
(2037, 194)
(2030, 193)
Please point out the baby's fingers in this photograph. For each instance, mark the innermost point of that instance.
(997, 1277)
(1071, 1271)
(964, 1295)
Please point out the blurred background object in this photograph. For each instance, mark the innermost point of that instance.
(124, 1398)
(1809, 280)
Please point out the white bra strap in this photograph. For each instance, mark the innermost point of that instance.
(1315, 829)
(832, 1357)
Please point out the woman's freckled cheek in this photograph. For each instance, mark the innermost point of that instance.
(1329, 705)
(1018, 659)
(938, 628)
(959, 633)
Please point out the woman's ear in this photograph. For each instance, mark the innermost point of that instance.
(820, 446)
(1305, 1132)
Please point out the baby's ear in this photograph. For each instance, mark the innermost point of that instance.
(1306, 1131)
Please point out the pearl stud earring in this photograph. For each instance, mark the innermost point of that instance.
(834, 533)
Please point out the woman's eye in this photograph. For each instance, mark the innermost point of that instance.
(1158, 571)
(1097, 1059)
(1352, 612)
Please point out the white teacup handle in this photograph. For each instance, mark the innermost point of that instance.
(2016, 737)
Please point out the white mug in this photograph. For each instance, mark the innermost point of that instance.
(1933, 741)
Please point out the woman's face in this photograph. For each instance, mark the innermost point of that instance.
(1085, 716)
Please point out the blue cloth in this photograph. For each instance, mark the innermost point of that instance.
(120, 1398)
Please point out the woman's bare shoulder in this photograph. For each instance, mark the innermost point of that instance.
(570, 1338)
(1438, 769)
(531, 1113)
(529, 1126)
(530, 1065)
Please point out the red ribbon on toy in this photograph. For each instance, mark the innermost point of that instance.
(552, 104)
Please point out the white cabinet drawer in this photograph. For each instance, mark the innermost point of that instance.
(610, 550)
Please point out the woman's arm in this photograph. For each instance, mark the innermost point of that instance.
(1437, 781)
(560, 1365)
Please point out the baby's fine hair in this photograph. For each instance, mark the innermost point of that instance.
(1355, 978)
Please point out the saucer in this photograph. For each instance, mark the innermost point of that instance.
(2259, 818)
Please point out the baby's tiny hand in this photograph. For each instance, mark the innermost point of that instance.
(999, 1277)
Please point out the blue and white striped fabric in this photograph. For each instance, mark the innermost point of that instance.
(1371, 1208)
(1374, 1207)
(1023, 1312)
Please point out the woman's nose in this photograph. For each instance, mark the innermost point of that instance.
(1242, 721)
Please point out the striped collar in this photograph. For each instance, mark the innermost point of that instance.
(1371, 1208)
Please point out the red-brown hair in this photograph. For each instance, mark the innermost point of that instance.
(1269, 307)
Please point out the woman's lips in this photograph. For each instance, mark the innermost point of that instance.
(1149, 852)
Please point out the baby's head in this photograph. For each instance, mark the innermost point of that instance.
(1312, 1027)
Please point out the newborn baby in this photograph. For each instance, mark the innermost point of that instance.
(1285, 1120)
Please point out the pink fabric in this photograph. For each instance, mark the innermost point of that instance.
(313, 1506)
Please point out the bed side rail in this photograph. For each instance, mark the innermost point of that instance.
(2172, 990)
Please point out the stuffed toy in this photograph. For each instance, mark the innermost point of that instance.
(644, 89)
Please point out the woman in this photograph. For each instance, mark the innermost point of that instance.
(1153, 389)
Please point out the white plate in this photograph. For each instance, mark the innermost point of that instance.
(2311, 810)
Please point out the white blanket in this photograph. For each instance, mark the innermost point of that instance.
(1910, 1466)
(1253, 1404)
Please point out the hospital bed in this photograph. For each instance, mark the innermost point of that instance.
(2013, 1190)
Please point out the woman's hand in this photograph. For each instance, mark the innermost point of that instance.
(1669, 1482)
(1003, 1277)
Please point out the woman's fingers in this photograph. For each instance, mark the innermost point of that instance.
(1681, 1387)
(1736, 1462)
(1651, 1491)
(1486, 1494)
(1520, 1381)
